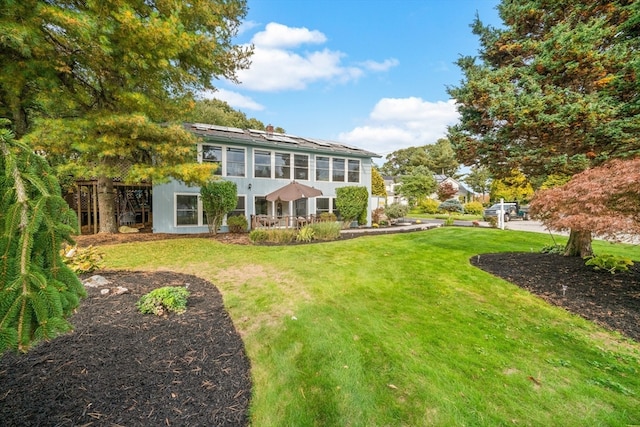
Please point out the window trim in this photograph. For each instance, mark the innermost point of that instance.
(222, 170)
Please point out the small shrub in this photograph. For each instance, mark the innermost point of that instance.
(474, 208)
(327, 217)
(429, 206)
(326, 230)
(552, 249)
(448, 222)
(451, 206)
(305, 234)
(237, 224)
(611, 263)
(161, 300)
(396, 210)
(82, 260)
(282, 235)
(377, 215)
(493, 221)
(375, 225)
(258, 235)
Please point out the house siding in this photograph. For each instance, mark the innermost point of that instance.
(249, 186)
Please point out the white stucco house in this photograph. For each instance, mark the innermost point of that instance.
(260, 162)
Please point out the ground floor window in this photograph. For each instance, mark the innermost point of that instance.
(261, 205)
(187, 207)
(240, 209)
(326, 204)
(189, 210)
(300, 207)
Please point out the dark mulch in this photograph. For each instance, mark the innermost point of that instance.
(611, 300)
(123, 368)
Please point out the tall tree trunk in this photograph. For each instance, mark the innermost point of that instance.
(107, 205)
(579, 244)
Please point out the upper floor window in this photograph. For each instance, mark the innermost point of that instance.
(262, 164)
(338, 170)
(235, 162)
(322, 168)
(354, 171)
(230, 161)
(282, 165)
(213, 154)
(301, 164)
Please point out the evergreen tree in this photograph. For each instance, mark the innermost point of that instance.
(38, 291)
(377, 183)
(554, 92)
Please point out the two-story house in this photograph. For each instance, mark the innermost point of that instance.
(259, 163)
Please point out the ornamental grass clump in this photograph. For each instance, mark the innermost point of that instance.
(162, 300)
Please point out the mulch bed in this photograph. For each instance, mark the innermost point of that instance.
(611, 300)
(122, 368)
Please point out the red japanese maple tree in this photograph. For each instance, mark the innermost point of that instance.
(603, 201)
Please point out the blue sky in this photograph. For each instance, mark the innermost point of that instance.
(370, 73)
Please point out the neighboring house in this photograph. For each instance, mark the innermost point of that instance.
(464, 193)
(260, 162)
(390, 185)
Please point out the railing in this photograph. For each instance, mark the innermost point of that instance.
(287, 221)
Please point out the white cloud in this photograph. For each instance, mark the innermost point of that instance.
(381, 66)
(278, 65)
(280, 36)
(234, 99)
(396, 123)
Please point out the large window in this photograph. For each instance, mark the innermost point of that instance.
(323, 204)
(322, 168)
(262, 164)
(326, 204)
(301, 164)
(261, 205)
(283, 165)
(213, 154)
(354, 171)
(235, 162)
(240, 209)
(338, 170)
(187, 209)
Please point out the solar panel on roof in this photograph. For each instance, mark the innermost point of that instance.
(280, 139)
(318, 142)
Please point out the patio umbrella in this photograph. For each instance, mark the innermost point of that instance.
(293, 191)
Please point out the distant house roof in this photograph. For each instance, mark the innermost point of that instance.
(274, 139)
(461, 184)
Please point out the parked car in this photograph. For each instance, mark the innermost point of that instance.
(512, 210)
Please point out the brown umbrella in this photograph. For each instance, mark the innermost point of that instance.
(293, 191)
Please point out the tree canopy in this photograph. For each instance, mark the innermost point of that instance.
(217, 112)
(438, 157)
(554, 91)
(417, 185)
(604, 200)
(101, 77)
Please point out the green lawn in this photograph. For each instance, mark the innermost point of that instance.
(400, 330)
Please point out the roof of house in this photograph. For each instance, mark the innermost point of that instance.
(274, 139)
